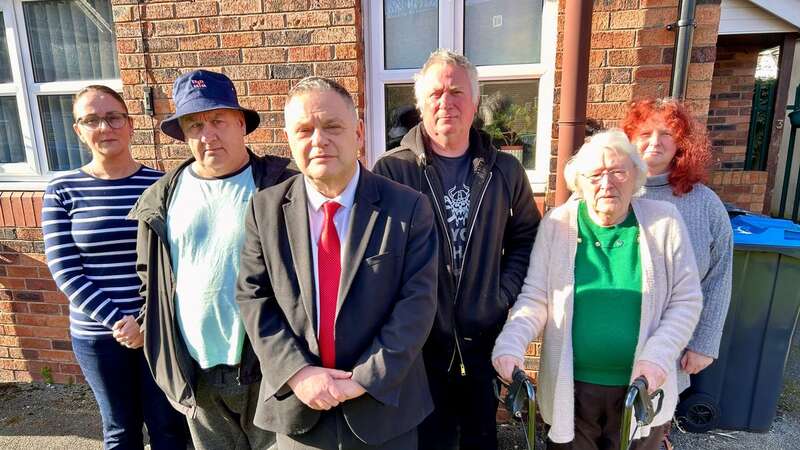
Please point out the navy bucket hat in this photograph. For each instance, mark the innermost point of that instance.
(203, 90)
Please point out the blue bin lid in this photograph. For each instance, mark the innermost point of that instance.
(752, 232)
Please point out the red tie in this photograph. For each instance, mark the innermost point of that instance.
(329, 269)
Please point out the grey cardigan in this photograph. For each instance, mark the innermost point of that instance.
(671, 304)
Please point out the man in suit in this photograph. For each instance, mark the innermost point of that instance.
(337, 288)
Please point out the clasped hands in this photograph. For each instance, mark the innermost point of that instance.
(322, 389)
(127, 332)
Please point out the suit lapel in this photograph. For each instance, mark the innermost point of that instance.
(296, 213)
(362, 220)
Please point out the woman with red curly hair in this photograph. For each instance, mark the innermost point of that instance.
(677, 152)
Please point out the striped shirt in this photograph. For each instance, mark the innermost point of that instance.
(91, 247)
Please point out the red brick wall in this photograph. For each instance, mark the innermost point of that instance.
(745, 189)
(731, 103)
(631, 55)
(34, 323)
(263, 46)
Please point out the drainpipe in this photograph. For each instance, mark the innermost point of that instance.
(574, 87)
(683, 48)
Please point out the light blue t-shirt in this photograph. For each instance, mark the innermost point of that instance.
(205, 228)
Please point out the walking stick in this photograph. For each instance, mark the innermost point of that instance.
(640, 404)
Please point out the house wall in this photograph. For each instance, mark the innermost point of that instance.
(731, 104)
(631, 56)
(264, 46)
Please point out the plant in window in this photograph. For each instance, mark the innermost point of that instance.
(510, 125)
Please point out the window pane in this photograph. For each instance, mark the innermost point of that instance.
(71, 40)
(502, 31)
(5, 61)
(401, 115)
(508, 112)
(11, 149)
(64, 150)
(411, 32)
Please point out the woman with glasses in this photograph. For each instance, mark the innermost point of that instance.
(91, 252)
(613, 287)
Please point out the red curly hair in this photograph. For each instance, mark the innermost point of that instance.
(692, 157)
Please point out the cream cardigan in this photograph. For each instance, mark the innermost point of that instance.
(671, 304)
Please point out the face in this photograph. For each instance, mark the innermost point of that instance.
(216, 139)
(447, 108)
(656, 145)
(104, 141)
(606, 182)
(325, 136)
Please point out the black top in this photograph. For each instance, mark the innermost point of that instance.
(455, 174)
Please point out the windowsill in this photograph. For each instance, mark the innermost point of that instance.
(23, 186)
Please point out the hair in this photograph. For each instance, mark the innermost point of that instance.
(321, 84)
(444, 56)
(98, 88)
(614, 139)
(692, 157)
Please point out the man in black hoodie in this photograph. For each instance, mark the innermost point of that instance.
(487, 222)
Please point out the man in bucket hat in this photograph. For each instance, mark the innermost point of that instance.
(191, 229)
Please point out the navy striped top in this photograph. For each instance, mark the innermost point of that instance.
(91, 247)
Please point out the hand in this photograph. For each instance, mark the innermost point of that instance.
(128, 333)
(693, 362)
(655, 375)
(348, 389)
(505, 364)
(316, 387)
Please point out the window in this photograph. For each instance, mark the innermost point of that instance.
(512, 42)
(49, 49)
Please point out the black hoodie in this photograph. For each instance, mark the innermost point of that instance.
(501, 227)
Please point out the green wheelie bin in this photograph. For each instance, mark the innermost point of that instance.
(740, 390)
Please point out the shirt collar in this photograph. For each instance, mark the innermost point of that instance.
(346, 198)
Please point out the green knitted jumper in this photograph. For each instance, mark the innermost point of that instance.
(608, 299)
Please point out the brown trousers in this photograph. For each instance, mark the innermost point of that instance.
(598, 419)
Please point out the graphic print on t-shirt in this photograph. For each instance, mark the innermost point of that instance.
(456, 201)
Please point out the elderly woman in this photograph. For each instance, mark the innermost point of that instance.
(613, 285)
(677, 153)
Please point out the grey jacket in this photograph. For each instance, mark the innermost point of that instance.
(164, 349)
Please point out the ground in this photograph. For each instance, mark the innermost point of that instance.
(41, 416)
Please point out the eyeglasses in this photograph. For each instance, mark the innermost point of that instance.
(616, 175)
(113, 120)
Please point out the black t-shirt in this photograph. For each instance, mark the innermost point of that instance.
(456, 176)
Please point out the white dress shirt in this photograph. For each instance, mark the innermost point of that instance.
(316, 218)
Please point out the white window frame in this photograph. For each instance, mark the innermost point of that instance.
(34, 173)
(451, 32)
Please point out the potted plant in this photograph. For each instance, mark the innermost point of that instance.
(510, 125)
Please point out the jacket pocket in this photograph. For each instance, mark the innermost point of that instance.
(372, 260)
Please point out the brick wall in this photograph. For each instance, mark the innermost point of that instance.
(34, 322)
(264, 46)
(731, 103)
(745, 189)
(631, 55)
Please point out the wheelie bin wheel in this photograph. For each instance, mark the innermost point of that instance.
(698, 413)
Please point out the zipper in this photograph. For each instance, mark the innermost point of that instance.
(472, 226)
(458, 283)
(449, 270)
(435, 196)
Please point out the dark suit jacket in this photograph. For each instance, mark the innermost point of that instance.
(387, 303)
